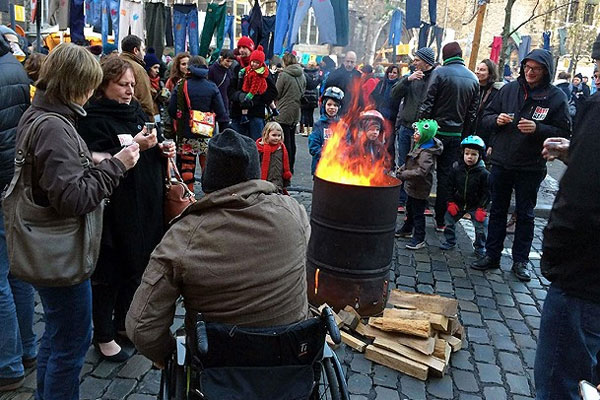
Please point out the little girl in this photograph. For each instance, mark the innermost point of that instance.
(255, 78)
(274, 161)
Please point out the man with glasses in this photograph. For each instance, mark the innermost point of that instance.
(523, 114)
(347, 78)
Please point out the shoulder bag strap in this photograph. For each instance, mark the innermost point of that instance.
(224, 77)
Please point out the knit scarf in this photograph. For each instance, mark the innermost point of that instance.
(155, 82)
(244, 61)
(255, 80)
(268, 149)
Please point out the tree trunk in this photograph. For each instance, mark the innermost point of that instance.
(505, 38)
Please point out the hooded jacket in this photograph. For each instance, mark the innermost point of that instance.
(469, 187)
(291, 84)
(571, 241)
(142, 91)
(14, 100)
(417, 171)
(310, 99)
(545, 104)
(249, 271)
(413, 93)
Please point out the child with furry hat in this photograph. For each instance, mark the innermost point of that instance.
(255, 78)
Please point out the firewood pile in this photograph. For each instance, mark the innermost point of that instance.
(416, 334)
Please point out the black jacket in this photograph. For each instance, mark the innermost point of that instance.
(349, 82)
(546, 105)
(486, 95)
(256, 106)
(469, 187)
(14, 100)
(413, 93)
(571, 241)
(452, 98)
(221, 76)
(133, 219)
(310, 99)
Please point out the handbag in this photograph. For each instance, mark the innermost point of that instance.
(202, 123)
(178, 196)
(45, 248)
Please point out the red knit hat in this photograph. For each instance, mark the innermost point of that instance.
(245, 41)
(258, 55)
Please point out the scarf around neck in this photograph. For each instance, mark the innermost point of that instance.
(155, 82)
(268, 149)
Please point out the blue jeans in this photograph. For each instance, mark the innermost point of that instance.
(325, 19)
(110, 9)
(403, 144)
(253, 129)
(526, 185)
(185, 19)
(66, 339)
(286, 9)
(480, 228)
(568, 346)
(17, 339)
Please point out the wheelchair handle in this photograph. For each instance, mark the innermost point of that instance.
(201, 337)
(332, 328)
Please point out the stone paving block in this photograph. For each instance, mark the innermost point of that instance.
(439, 265)
(511, 313)
(86, 369)
(525, 341)
(483, 352)
(539, 294)
(409, 289)
(423, 267)
(119, 389)
(426, 289)
(441, 387)
(136, 366)
(528, 310)
(468, 306)
(138, 396)
(425, 278)
(533, 322)
(458, 273)
(489, 314)
(465, 396)
(105, 369)
(383, 393)
(518, 384)
(360, 364)
(503, 343)
(384, 376)
(463, 283)
(505, 300)
(524, 298)
(405, 280)
(412, 388)
(528, 357)
(518, 287)
(464, 294)
(517, 397)
(92, 356)
(483, 291)
(479, 280)
(460, 360)
(359, 384)
(510, 362)
(151, 382)
(465, 381)
(471, 318)
(406, 270)
(92, 388)
(489, 373)
(422, 257)
(517, 326)
(356, 397)
(486, 302)
(498, 328)
(444, 287)
(477, 335)
(500, 288)
(494, 393)
(442, 276)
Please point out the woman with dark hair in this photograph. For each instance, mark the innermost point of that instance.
(179, 69)
(133, 219)
(487, 73)
(386, 104)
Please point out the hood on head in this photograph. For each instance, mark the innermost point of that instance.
(294, 70)
(199, 72)
(4, 46)
(542, 56)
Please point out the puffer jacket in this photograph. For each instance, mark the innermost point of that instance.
(546, 105)
(417, 171)
(291, 84)
(469, 187)
(224, 270)
(14, 100)
(452, 98)
(310, 99)
(413, 93)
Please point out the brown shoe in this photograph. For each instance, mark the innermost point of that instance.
(29, 362)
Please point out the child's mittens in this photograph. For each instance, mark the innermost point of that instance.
(241, 73)
(453, 208)
(480, 215)
(287, 175)
(249, 96)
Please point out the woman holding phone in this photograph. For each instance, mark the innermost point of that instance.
(133, 219)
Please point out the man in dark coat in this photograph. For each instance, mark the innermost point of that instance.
(347, 78)
(570, 261)
(525, 113)
(17, 343)
(220, 73)
(452, 99)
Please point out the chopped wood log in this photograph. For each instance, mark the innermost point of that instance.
(396, 362)
(353, 342)
(423, 302)
(432, 362)
(460, 331)
(351, 310)
(415, 327)
(350, 320)
(424, 345)
(442, 349)
(454, 342)
(438, 321)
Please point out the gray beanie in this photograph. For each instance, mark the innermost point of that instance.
(426, 54)
(231, 159)
(596, 49)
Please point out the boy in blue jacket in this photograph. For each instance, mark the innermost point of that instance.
(331, 102)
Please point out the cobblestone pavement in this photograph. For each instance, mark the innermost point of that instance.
(501, 317)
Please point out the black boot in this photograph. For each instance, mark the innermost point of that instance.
(486, 263)
(521, 271)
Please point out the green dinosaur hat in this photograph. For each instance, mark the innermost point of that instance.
(427, 128)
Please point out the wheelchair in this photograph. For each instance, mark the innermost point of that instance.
(226, 362)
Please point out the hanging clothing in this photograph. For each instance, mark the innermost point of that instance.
(524, 47)
(77, 21)
(185, 21)
(155, 27)
(438, 35)
(110, 14)
(424, 34)
(395, 36)
(283, 24)
(245, 25)
(432, 12)
(562, 41)
(131, 16)
(215, 21)
(546, 39)
(496, 48)
(169, 26)
(323, 11)
(413, 14)
(93, 13)
(256, 24)
(268, 35)
(58, 13)
(340, 13)
(229, 21)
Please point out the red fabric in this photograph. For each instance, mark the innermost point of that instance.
(244, 61)
(254, 82)
(453, 209)
(258, 55)
(367, 88)
(268, 149)
(496, 47)
(245, 41)
(155, 83)
(480, 215)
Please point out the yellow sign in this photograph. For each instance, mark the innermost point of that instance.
(402, 49)
(19, 13)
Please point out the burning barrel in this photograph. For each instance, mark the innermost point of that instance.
(351, 244)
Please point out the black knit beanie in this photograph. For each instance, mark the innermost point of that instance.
(450, 50)
(596, 49)
(231, 159)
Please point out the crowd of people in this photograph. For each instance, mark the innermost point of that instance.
(97, 135)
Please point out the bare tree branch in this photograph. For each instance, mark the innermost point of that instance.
(533, 16)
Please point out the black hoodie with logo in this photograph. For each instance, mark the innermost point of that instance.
(545, 104)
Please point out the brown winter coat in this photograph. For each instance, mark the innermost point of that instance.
(142, 91)
(237, 256)
(417, 171)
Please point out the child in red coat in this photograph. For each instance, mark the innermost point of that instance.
(274, 160)
(255, 78)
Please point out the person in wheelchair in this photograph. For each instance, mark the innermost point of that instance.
(237, 256)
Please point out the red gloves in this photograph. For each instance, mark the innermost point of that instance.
(453, 208)
(480, 215)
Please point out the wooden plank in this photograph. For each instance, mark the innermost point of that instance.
(396, 362)
(437, 321)
(454, 342)
(442, 349)
(350, 320)
(351, 310)
(424, 345)
(330, 342)
(420, 328)
(423, 302)
(432, 362)
(353, 342)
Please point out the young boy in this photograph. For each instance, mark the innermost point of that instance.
(469, 194)
(417, 174)
(331, 102)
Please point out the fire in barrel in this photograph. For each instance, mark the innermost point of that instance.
(353, 218)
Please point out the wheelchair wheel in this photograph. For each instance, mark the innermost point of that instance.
(328, 387)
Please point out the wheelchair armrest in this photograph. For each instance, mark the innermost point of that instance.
(332, 328)
(201, 337)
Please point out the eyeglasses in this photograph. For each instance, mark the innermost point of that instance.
(537, 70)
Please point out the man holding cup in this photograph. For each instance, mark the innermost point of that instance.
(523, 114)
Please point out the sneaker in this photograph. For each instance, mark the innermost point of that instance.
(486, 263)
(447, 246)
(8, 384)
(428, 212)
(440, 228)
(415, 245)
(479, 253)
(521, 271)
(403, 234)
(401, 209)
